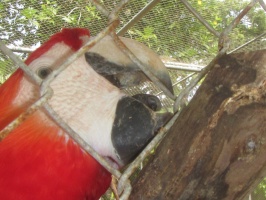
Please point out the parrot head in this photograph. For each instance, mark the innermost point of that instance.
(116, 125)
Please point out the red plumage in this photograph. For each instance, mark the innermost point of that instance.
(8, 92)
(35, 162)
(37, 159)
(70, 37)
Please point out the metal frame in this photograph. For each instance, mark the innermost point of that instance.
(124, 186)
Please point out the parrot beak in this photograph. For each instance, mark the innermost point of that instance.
(134, 127)
(109, 61)
(136, 121)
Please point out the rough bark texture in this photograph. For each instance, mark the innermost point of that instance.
(217, 147)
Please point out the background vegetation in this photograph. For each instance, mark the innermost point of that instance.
(169, 28)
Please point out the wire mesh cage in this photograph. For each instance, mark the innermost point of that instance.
(186, 34)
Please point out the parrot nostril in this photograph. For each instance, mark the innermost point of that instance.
(153, 104)
(149, 100)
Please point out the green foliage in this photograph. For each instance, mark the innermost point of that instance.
(261, 189)
(4, 71)
(37, 20)
(28, 22)
(147, 35)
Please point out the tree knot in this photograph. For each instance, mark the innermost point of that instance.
(245, 95)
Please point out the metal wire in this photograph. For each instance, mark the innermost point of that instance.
(180, 100)
(125, 192)
(183, 66)
(200, 18)
(46, 85)
(180, 81)
(20, 63)
(145, 69)
(247, 43)
(137, 17)
(47, 92)
(224, 45)
(81, 51)
(136, 163)
(22, 117)
(224, 39)
(75, 136)
(124, 186)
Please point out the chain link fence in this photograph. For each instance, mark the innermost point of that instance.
(186, 34)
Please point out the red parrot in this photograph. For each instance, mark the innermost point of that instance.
(38, 160)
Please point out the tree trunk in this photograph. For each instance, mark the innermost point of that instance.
(217, 147)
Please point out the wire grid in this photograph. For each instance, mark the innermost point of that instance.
(162, 41)
(170, 50)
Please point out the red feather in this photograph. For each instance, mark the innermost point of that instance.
(9, 89)
(70, 37)
(37, 161)
(8, 92)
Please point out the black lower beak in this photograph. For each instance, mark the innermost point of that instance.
(134, 126)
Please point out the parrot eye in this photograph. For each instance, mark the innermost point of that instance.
(44, 72)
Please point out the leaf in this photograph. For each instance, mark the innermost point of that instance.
(68, 19)
(148, 31)
(29, 12)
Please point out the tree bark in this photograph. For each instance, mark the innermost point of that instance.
(216, 148)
